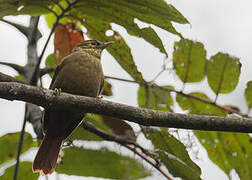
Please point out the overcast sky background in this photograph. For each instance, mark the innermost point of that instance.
(220, 25)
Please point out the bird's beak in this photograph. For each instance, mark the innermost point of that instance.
(106, 44)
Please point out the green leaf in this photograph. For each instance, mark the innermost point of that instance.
(197, 106)
(82, 134)
(107, 89)
(9, 145)
(97, 15)
(100, 163)
(155, 99)
(174, 156)
(122, 12)
(24, 172)
(223, 73)
(51, 18)
(14, 7)
(149, 35)
(189, 59)
(248, 94)
(229, 151)
(50, 62)
(20, 78)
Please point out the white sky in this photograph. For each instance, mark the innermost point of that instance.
(221, 25)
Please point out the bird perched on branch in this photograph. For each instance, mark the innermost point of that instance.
(80, 73)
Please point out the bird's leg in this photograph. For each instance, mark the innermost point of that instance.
(57, 91)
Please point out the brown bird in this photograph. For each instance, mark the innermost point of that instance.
(80, 73)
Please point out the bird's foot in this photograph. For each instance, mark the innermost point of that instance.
(57, 91)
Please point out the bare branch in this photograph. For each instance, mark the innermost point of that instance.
(6, 78)
(148, 161)
(46, 70)
(33, 114)
(146, 117)
(110, 137)
(20, 144)
(23, 29)
(18, 68)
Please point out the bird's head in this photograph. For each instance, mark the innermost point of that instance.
(92, 45)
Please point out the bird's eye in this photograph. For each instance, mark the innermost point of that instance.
(94, 43)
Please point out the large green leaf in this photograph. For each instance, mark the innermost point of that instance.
(155, 98)
(189, 59)
(170, 151)
(248, 94)
(24, 172)
(100, 163)
(223, 73)
(174, 155)
(126, 20)
(122, 12)
(14, 7)
(9, 145)
(229, 151)
(197, 106)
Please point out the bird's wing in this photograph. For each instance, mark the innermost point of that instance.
(101, 87)
(65, 61)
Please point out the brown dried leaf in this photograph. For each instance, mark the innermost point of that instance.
(120, 128)
(65, 39)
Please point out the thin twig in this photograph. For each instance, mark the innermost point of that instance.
(154, 79)
(18, 68)
(148, 161)
(23, 29)
(230, 110)
(46, 70)
(126, 143)
(35, 73)
(110, 137)
(20, 144)
(120, 79)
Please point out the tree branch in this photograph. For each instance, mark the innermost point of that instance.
(146, 117)
(16, 67)
(7, 78)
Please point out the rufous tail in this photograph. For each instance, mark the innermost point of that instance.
(46, 158)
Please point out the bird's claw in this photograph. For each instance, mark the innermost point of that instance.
(57, 91)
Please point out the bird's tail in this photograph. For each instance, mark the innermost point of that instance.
(46, 158)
